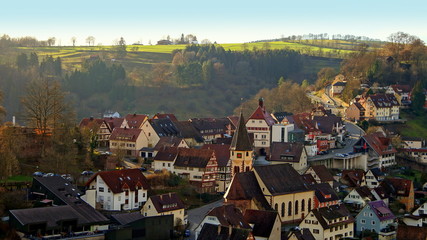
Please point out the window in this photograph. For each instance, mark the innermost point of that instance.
(283, 209)
(362, 221)
(289, 208)
(316, 231)
(296, 207)
(373, 222)
(109, 190)
(303, 205)
(247, 154)
(169, 164)
(101, 189)
(163, 164)
(239, 155)
(309, 204)
(276, 207)
(263, 136)
(307, 221)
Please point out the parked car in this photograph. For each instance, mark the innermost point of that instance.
(38, 174)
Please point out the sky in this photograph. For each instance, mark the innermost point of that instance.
(232, 21)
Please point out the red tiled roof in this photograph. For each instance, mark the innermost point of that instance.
(125, 134)
(222, 153)
(135, 120)
(119, 180)
(401, 88)
(166, 154)
(114, 122)
(170, 141)
(411, 232)
(379, 143)
(89, 122)
(381, 100)
(192, 157)
(398, 186)
(263, 221)
(167, 202)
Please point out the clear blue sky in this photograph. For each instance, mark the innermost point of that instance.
(222, 21)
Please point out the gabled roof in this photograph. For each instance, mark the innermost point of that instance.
(61, 188)
(244, 186)
(303, 234)
(381, 210)
(241, 140)
(327, 123)
(119, 180)
(308, 179)
(171, 141)
(279, 116)
(399, 89)
(164, 127)
(379, 143)
(215, 125)
(229, 215)
(359, 106)
(192, 157)
(166, 154)
(126, 218)
(397, 186)
(187, 130)
(222, 153)
(52, 215)
(325, 214)
(323, 173)
(281, 179)
(381, 100)
(214, 232)
(261, 114)
(167, 202)
(324, 192)
(263, 221)
(135, 120)
(354, 177)
(382, 193)
(114, 122)
(364, 192)
(376, 172)
(125, 134)
(234, 120)
(91, 122)
(170, 116)
(286, 152)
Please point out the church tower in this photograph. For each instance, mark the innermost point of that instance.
(241, 152)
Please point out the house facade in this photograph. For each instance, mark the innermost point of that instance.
(166, 204)
(127, 141)
(117, 190)
(292, 153)
(375, 216)
(98, 127)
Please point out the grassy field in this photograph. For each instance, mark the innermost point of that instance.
(416, 126)
(19, 178)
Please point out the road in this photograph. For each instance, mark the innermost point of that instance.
(196, 215)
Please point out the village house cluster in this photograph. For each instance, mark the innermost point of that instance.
(282, 176)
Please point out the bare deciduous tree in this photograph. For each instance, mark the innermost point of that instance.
(74, 40)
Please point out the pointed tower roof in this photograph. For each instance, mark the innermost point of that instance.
(241, 141)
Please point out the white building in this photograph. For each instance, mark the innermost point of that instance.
(117, 190)
(280, 132)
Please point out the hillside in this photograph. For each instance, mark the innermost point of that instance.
(138, 94)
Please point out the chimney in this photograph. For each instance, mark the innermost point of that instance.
(261, 102)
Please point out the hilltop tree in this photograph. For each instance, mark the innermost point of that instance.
(90, 40)
(121, 48)
(51, 41)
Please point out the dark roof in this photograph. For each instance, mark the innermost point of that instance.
(381, 100)
(222, 153)
(126, 134)
(381, 210)
(359, 106)
(286, 152)
(52, 215)
(209, 126)
(187, 130)
(382, 193)
(192, 157)
(397, 186)
(377, 172)
(166, 154)
(214, 232)
(412, 139)
(164, 127)
(167, 202)
(119, 180)
(379, 143)
(324, 192)
(327, 123)
(303, 234)
(401, 88)
(325, 214)
(364, 192)
(244, 186)
(308, 178)
(323, 173)
(170, 116)
(281, 178)
(61, 188)
(229, 215)
(126, 218)
(281, 115)
(410, 232)
(171, 141)
(135, 120)
(353, 178)
(241, 140)
(263, 221)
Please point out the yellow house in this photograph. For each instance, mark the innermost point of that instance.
(333, 222)
(127, 140)
(241, 153)
(165, 204)
(286, 152)
(382, 107)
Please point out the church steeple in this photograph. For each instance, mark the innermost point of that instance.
(241, 141)
(241, 152)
